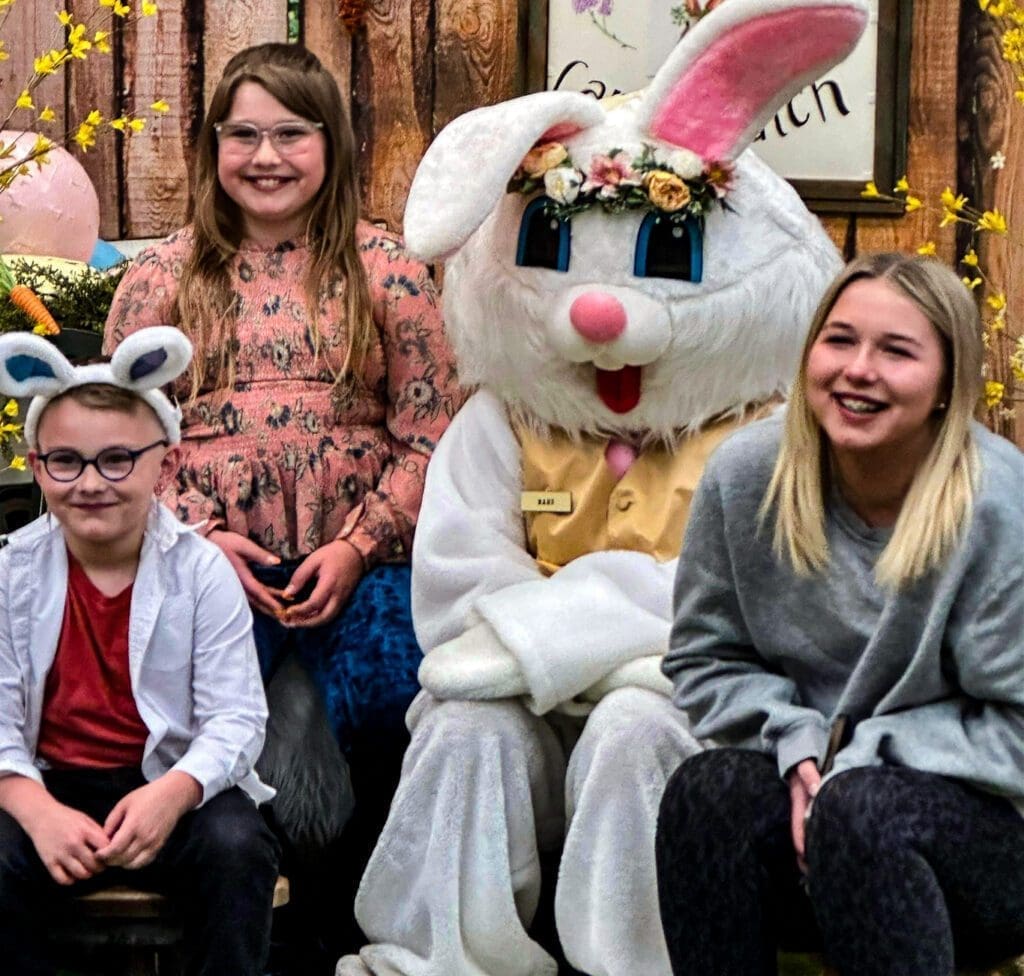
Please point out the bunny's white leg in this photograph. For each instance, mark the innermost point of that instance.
(455, 876)
(606, 903)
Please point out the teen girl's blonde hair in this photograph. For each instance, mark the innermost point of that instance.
(205, 306)
(938, 504)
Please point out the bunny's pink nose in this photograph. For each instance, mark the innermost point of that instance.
(598, 317)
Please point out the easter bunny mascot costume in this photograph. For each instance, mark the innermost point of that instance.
(626, 286)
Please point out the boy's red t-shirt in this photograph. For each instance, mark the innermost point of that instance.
(89, 713)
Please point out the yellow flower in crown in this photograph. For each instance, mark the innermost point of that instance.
(542, 158)
(666, 190)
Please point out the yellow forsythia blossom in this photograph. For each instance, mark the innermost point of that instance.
(970, 258)
(994, 393)
(11, 408)
(24, 100)
(927, 249)
(160, 106)
(47, 115)
(996, 302)
(18, 463)
(870, 190)
(992, 220)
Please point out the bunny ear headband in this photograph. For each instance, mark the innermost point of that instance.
(145, 361)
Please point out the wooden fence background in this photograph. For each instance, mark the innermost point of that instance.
(413, 65)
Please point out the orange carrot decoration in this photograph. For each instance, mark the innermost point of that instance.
(28, 301)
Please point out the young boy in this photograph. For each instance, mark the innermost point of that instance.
(131, 705)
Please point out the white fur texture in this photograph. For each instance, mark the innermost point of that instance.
(707, 349)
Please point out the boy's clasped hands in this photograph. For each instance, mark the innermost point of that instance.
(73, 847)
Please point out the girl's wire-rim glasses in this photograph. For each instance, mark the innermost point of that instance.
(244, 138)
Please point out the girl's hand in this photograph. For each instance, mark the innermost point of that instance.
(804, 780)
(336, 567)
(240, 552)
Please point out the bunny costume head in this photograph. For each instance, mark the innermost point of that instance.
(145, 361)
(617, 323)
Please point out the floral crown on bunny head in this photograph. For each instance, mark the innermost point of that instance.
(145, 361)
(677, 184)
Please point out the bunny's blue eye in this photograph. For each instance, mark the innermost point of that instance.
(544, 240)
(670, 249)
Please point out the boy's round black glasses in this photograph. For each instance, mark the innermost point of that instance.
(113, 463)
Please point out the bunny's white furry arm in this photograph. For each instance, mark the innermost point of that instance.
(478, 594)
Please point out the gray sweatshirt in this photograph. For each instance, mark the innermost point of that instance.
(932, 675)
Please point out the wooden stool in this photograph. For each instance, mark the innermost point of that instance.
(141, 926)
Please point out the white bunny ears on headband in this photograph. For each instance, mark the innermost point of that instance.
(145, 361)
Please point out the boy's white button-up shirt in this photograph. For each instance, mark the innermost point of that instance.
(191, 655)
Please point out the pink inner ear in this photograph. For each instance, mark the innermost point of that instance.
(557, 132)
(715, 100)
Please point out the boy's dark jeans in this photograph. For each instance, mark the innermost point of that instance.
(219, 865)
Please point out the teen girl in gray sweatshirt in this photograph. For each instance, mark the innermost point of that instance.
(850, 627)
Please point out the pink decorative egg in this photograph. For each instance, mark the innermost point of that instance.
(53, 210)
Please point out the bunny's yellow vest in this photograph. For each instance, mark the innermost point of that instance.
(644, 511)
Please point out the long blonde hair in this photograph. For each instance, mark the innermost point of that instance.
(938, 503)
(205, 309)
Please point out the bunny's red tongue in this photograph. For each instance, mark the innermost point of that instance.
(619, 389)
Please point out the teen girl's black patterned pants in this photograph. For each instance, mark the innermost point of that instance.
(910, 874)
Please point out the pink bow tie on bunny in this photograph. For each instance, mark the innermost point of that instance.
(620, 455)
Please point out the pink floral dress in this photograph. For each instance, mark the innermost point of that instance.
(283, 458)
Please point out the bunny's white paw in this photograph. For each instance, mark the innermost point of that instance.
(474, 666)
(352, 966)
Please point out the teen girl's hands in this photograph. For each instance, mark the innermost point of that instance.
(336, 566)
(804, 780)
(240, 552)
(141, 822)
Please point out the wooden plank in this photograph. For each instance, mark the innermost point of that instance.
(391, 103)
(328, 38)
(480, 55)
(994, 122)
(931, 162)
(92, 84)
(31, 29)
(160, 61)
(231, 25)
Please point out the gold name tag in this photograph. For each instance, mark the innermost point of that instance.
(546, 501)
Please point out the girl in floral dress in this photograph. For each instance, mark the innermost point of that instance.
(321, 382)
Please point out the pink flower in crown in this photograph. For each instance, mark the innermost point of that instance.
(608, 173)
(718, 174)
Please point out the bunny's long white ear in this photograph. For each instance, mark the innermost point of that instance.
(31, 366)
(737, 66)
(467, 167)
(151, 357)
